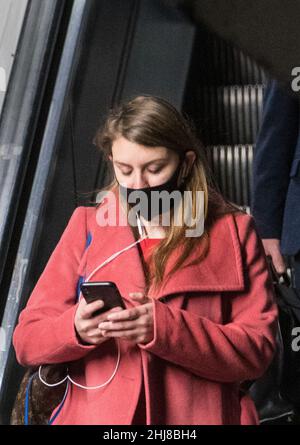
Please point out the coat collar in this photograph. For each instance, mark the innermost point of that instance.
(221, 270)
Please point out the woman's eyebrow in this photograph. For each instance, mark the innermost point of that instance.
(148, 163)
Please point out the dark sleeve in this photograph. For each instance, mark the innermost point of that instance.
(273, 155)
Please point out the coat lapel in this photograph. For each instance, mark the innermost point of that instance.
(221, 270)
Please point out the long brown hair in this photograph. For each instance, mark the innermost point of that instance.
(153, 122)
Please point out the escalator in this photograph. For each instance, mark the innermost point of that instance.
(90, 55)
(227, 90)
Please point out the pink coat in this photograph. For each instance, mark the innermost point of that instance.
(214, 323)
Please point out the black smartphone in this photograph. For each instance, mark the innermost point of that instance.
(102, 290)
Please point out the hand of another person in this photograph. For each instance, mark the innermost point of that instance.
(135, 324)
(272, 248)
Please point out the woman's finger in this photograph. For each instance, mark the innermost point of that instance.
(123, 325)
(130, 314)
(88, 309)
(137, 335)
(130, 334)
(126, 314)
(94, 333)
(139, 296)
(103, 317)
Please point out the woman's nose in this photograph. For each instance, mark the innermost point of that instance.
(139, 181)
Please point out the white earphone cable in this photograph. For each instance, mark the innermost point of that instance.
(111, 258)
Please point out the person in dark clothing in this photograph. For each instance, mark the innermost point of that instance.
(275, 201)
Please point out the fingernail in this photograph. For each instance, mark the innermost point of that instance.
(110, 317)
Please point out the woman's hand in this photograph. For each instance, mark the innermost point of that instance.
(87, 325)
(135, 324)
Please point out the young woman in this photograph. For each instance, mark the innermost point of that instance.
(200, 319)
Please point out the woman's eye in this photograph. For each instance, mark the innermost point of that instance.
(150, 171)
(155, 171)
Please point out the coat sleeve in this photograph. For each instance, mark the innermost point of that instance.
(233, 352)
(45, 333)
(273, 155)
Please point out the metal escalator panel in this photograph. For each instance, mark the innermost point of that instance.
(160, 53)
(223, 64)
(231, 166)
(230, 114)
(227, 89)
(273, 42)
(11, 21)
(21, 113)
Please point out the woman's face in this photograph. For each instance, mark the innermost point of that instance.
(137, 166)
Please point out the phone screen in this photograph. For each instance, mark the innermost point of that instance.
(102, 290)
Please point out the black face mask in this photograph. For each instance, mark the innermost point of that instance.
(169, 186)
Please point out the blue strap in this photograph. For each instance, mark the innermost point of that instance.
(27, 395)
(60, 406)
(29, 384)
(82, 278)
(89, 240)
